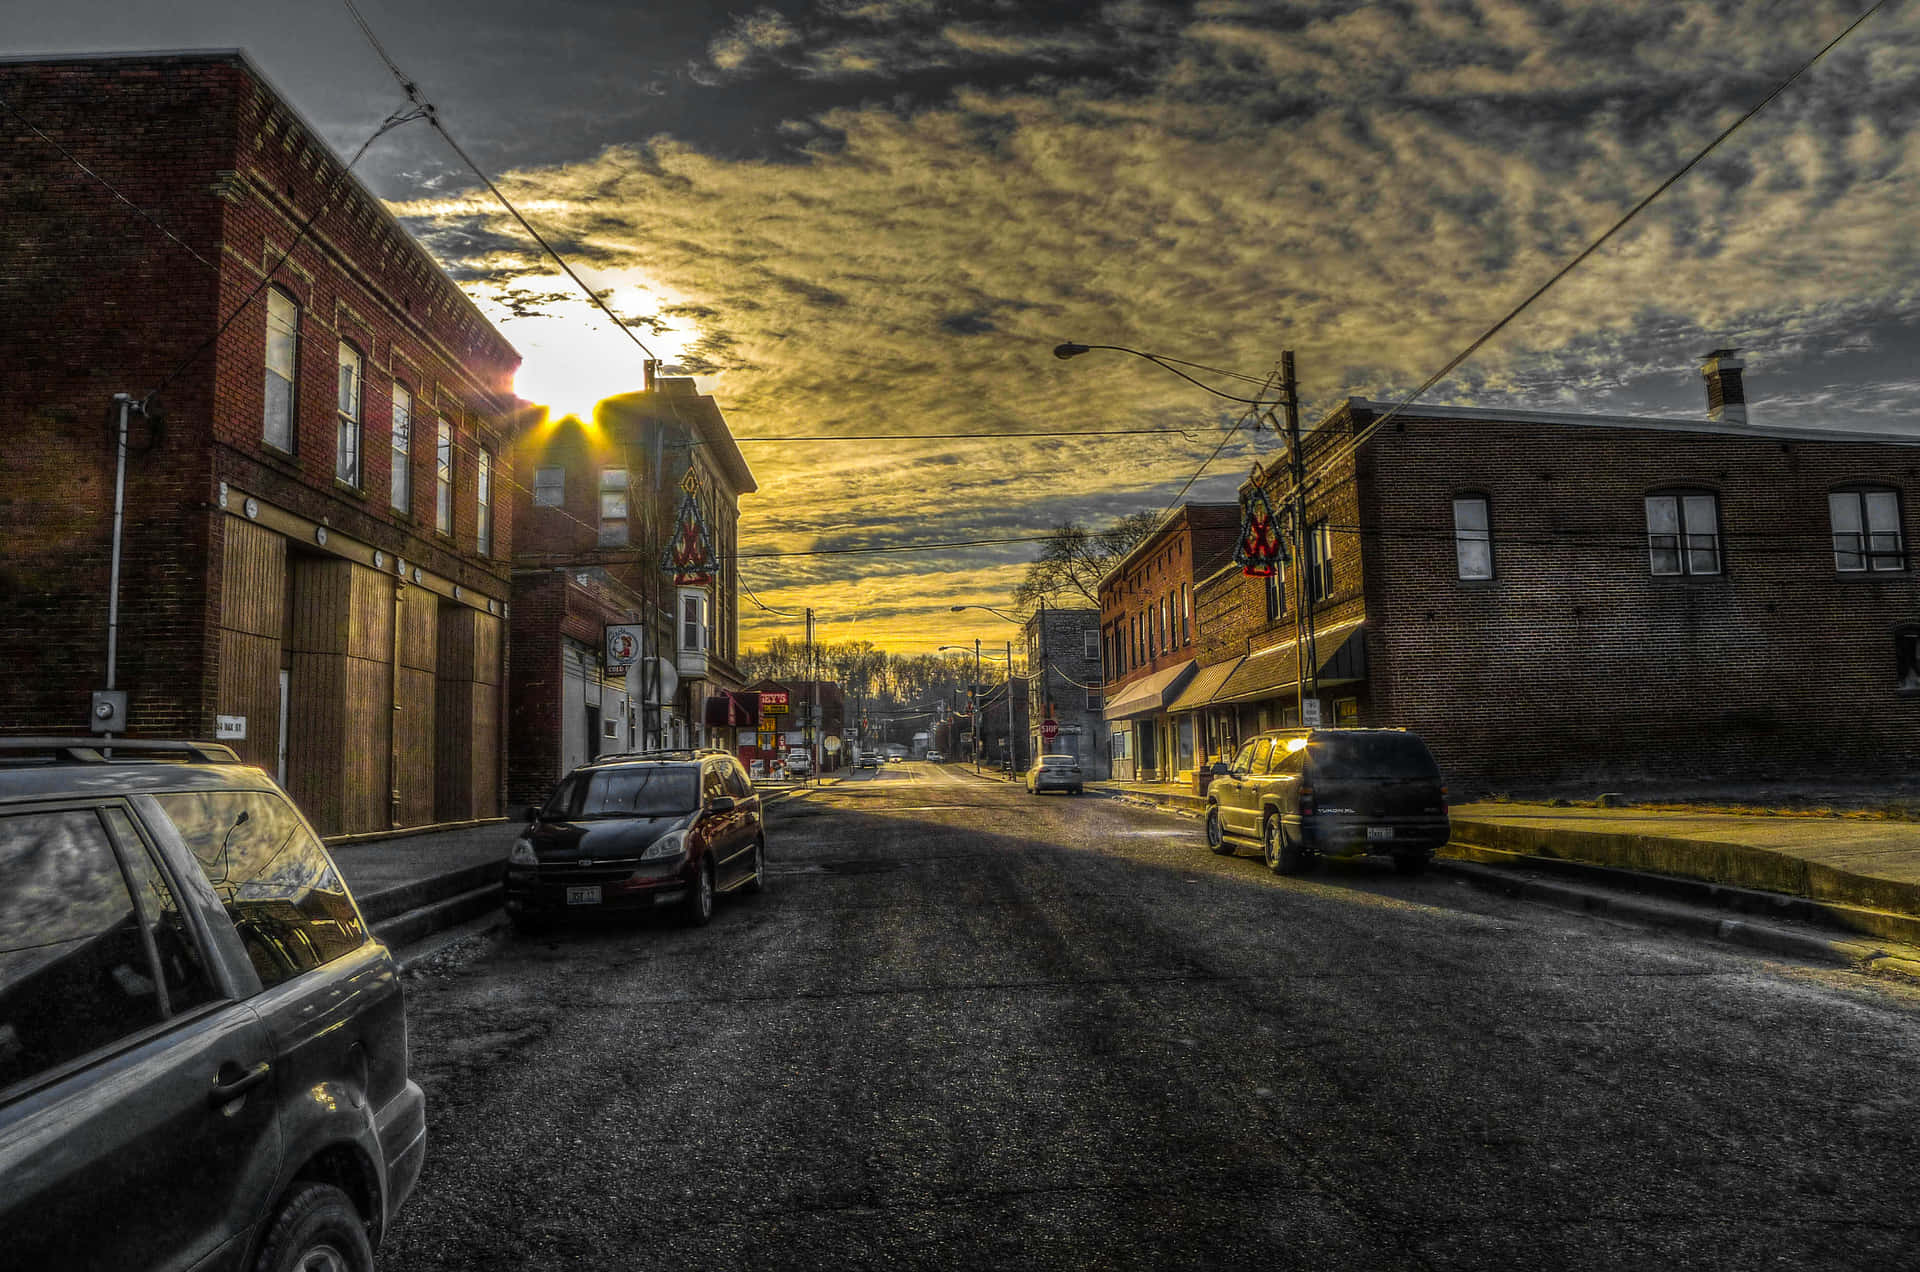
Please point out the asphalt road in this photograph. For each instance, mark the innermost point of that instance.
(968, 1028)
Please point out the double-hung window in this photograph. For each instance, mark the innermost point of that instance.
(346, 448)
(1277, 590)
(613, 507)
(443, 480)
(1866, 531)
(1186, 614)
(483, 501)
(283, 344)
(549, 487)
(1472, 540)
(1319, 577)
(402, 446)
(1683, 533)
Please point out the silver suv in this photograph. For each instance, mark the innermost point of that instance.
(203, 1052)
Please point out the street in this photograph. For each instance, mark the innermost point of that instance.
(967, 1027)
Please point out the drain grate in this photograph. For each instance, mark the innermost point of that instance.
(859, 865)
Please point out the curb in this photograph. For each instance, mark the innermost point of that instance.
(1898, 961)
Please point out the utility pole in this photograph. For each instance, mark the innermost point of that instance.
(973, 706)
(806, 726)
(1013, 755)
(1305, 662)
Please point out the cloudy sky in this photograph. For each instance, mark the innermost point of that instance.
(861, 217)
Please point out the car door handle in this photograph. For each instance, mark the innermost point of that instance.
(226, 1092)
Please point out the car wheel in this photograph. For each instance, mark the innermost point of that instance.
(1282, 854)
(759, 881)
(318, 1230)
(1411, 863)
(1216, 833)
(700, 900)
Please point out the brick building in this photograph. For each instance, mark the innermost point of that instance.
(1066, 681)
(314, 561)
(596, 506)
(1148, 633)
(1551, 596)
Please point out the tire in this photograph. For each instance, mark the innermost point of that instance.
(1411, 863)
(758, 883)
(1217, 833)
(699, 911)
(318, 1230)
(1283, 856)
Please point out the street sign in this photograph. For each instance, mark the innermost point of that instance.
(1310, 713)
(1049, 729)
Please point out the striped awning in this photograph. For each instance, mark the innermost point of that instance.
(1205, 683)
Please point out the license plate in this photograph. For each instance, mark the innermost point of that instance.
(584, 896)
(1379, 832)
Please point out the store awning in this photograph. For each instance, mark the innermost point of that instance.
(1149, 693)
(1205, 683)
(739, 710)
(1265, 673)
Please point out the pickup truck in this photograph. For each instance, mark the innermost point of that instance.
(203, 1050)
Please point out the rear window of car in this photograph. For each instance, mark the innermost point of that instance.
(275, 879)
(1379, 755)
(1059, 761)
(649, 791)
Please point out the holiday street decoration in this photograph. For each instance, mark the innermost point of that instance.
(690, 554)
(1261, 546)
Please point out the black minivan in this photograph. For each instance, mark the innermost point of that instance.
(1305, 794)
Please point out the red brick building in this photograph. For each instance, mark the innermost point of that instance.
(1148, 634)
(314, 558)
(1559, 597)
(596, 506)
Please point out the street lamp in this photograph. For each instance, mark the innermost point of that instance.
(1306, 660)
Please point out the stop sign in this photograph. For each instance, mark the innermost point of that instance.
(1049, 729)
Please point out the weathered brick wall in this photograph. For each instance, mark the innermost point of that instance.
(1574, 662)
(1190, 545)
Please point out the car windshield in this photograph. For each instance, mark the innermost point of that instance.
(640, 791)
(1378, 755)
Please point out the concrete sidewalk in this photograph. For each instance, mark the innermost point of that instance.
(410, 886)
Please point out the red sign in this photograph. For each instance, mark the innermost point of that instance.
(1049, 729)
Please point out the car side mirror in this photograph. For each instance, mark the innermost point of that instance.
(721, 804)
(1220, 768)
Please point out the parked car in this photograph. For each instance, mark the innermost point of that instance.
(203, 1050)
(631, 834)
(934, 757)
(1054, 773)
(1306, 794)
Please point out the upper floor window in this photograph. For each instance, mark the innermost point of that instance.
(346, 449)
(613, 507)
(549, 487)
(1186, 614)
(402, 444)
(283, 343)
(483, 491)
(1683, 533)
(1090, 645)
(1866, 531)
(1472, 541)
(443, 480)
(1277, 590)
(1319, 575)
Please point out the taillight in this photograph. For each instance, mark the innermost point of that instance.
(1306, 801)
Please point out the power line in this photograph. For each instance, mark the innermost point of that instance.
(415, 96)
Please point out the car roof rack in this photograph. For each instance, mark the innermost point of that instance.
(54, 750)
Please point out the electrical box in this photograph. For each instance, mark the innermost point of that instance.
(109, 714)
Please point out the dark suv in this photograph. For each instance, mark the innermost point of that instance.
(203, 1052)
(1302, 794)
(632, 832)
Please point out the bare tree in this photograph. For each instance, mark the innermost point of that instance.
(1073, 558)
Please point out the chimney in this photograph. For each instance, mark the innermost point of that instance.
(1726, 395)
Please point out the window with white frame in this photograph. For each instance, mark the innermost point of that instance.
(483, 499)
(693, 621)
(549, 487)
(1090, 645)
(1319, 576)
(346, 448)
(1186, 614)
(401, 443)
(1472, 540)
(613, 507)
(1683, 533)
(443, 480)
(1866, 531)
(283, 346)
